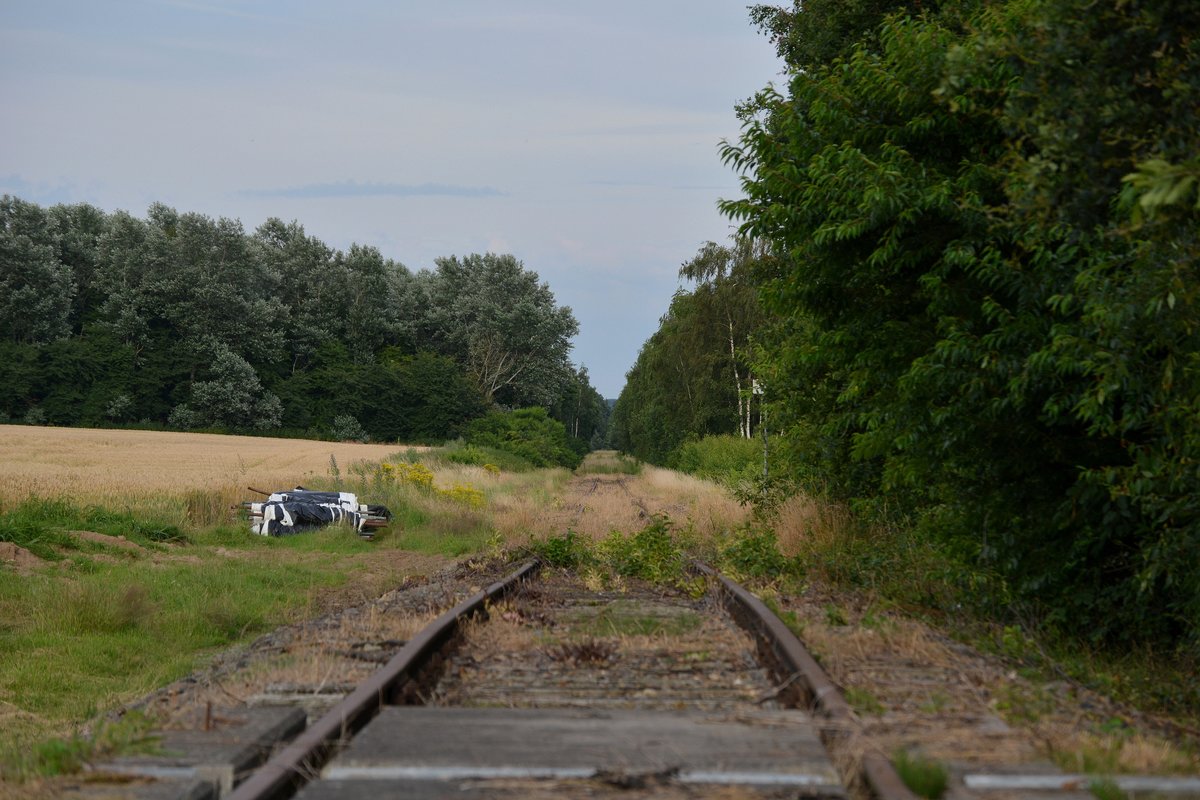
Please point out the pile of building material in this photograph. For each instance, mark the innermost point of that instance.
(298, 510)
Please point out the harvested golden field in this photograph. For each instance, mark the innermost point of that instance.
(137, 468)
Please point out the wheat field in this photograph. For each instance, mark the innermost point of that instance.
(151, 470)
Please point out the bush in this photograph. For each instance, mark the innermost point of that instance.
(487, 457)
(568, 551)
(347, 429)
(730, 460)
(650, 554)
(755, 553)
(526, 432)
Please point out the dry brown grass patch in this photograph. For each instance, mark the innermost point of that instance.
(803, 523)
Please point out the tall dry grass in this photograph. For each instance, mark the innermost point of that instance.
(596, 503)
(805, 525)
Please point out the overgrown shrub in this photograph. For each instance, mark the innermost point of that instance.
(754, 552)
(483, 456)
(730, 460)
(568, 550)
(651, 554)
(529, 433)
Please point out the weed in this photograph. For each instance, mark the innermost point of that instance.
(1106, 789)
(38, 526)
(925, 777)
(789, 618)
(131, 734)
(569, 551)
(936, 703)
(754, 552)
(650, 554)
(228, 619)
(863, 701)
(625, 618)
(835, 616)
(1024, 703)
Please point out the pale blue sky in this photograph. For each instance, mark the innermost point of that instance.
(581, 138)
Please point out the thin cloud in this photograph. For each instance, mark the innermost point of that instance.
(356, 189)
(645, 185)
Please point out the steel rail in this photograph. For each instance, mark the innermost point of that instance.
(799, 669)
(299, 761)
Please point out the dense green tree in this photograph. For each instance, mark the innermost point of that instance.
(497, 319)
(370, 316)
(231, 396)
(679, 387)
(727, 295)
(311, 288)
(983, 288)
(79, 230)
(582, 411)
(186, 320)
(36, 289)
(693, 377)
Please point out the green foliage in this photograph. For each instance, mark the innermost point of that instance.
(982, 222)
(863, 701)
(754, 552)
(483, 456)
(1106, 789)
(497, 320)
(628, 618)
(693, 378)
(528, 433)
(187, 321)
(583, 412)
(36, 289)
(568, 550)
(651, 554)
(731, 460)
(346, 428)
(655, 554)
(232, 397)
(43, 526)
(27, 526)
(924, 776)
(131, 734)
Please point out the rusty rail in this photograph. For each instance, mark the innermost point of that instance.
(301, 760)
(799, 670)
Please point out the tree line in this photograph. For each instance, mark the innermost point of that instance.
(980, 241)
(186, 321)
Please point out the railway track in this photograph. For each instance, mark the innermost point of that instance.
(542, 686)
(549, 684)
(546, 685)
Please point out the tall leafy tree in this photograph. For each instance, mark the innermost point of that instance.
(36, 288)
(984, 260)
(311, 287)
(501, 322)
(726, 289)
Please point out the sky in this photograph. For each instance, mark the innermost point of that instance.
(583, 138)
